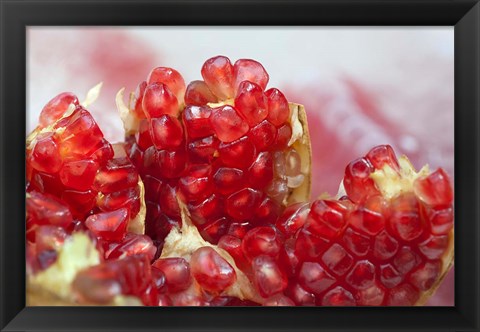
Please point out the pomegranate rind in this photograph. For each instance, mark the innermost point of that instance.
(300, 141)
(182, 242)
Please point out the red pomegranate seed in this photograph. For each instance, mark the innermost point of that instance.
(203, 150)
(152, 188)
(293, 218)
(242, 204)
(133, 244)
(208, 210)
(426, 275)
(263, 135)
(337, 259)
(357, 243)
(56, 107)
(227, 123)
(239, 229)
(267, 212)
(196, 184)
(434, 247)
(406, 221)
(81, 135)
(233, 245)
(309, 246)
(367, 221)
(129, 198)
(197, 121)
(47, 183)
(402, 295)
(189, 300)
(171, 78)
(278, 110)
(250, 70)
(434, 189)
(251, 102)
(211, 270)
(299, 295)
(110, 226)
(45, 156)
(313, 278)
(228, 180)
(287, 259)
(284, 133)
(357, 181)
(166, 132)
(117, 174)
(239, 153)
(389, 276)
(168, 201)
(217, 72)
(44, 209)
(362, 275)
(372, 296)
(199, 94)
(176, 271)
(338, 296)
(80, 202)
(441, 221)
(385, 246)
(326, 219)
(159, 100)
(168, 164)
(143, 137)
(267, 276)
(261, 241)
(49, 237)
(260, 173)
(212, 231)
(138, 99)
(405, 260)
(103, 152)
(79, 174)
(383, 155)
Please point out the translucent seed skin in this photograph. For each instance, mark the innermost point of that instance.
(251, 102)
(278, 109)
(111, 226)
(158, 100)
(217, 72)
(227, 124)
(45, 156)
(56, 107)
(166, 132)
(199, 94)
(250, 70)
(171, 78)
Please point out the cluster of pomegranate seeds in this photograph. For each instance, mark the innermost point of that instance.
(221, 144)
(367, 250)
(75, 181)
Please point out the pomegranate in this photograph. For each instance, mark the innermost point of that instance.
(225, 165)
(233, 151)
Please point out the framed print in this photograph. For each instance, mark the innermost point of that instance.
(170, 170)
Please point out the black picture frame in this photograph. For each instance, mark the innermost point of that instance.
(16, 15)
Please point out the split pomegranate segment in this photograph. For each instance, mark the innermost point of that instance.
(223, 148)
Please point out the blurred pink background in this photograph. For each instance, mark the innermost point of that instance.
(361, 86)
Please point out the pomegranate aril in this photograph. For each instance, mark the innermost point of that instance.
(228, 180)
(196, 184)
(211, 271)
(197, 121)
(278, 110)
(249, 70)
(325, 219)
(44, 209)
(49, 237)
(425, 276)
(434, 247)
(208, 210)
(293, 169)
(263, 135)
(338, 296)
(163, 163)
(383, 155)
(56, 107)
(227, 124)
(284, 134)
(267, 212)
(308, 246)
(287, 259)
(367, 221)
(239, 153)
(261, 241)
(171, 78)
(260, 173)
(441, 221)
(406, 220)
(434, 189)
(166, 132)
(79, 174)
(314, 278)
(251, 102)
(357, 243)
(405, 260)
(362, 275)
(278, 300)
(189, 300)
(143, 136)
(46, 183)
(45, 156)
(337, 259)
(133, 244)
(110, 226)
(203, 150)
(129, 198)
(138, 99)
(152, 188)
(217, 72)
(176, 271)
(168, 201)
(238, 229)
(242, 204)
(103, 152)
(80, 202)
(389, 276)
(293, 218)
(199, 94)
(299, 295)
(117, 174)
(158, 100)
(402, 295)
(372, 296)
(81, 134)
(233, 246)
(267, 276)
(385, 246)
(278, 190)
(214, 230)
(357, 181)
